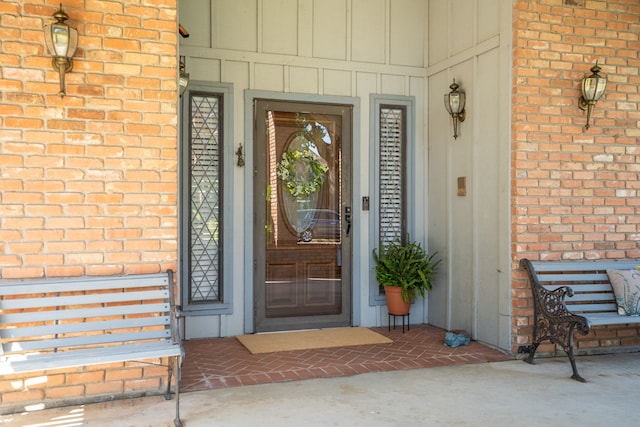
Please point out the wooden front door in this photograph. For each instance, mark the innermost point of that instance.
(302, 215)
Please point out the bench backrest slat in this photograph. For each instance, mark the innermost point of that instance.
(583, 287)
(85, 327)
(86, 340)
(90, 312)
(560, 266)
(593, 308)
(595, 298)
(83, 284)
(94, 298)
(584, 276)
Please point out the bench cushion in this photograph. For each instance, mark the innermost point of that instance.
(626, 287)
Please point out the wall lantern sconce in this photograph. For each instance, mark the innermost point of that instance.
(183, 31)
(240, 154)
(454, 103)
(62, 41)
(183, 80)
(592, 89)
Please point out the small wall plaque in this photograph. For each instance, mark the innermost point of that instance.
(462, 186)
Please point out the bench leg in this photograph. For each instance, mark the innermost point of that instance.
(177, 421)
(576, 376)
(167, 395)
(532, 352)
(558, 333)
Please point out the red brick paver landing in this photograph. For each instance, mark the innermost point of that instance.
(224, 362)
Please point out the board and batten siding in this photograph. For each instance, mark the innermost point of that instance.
(355, 48)
(337, 48)
(470, 41)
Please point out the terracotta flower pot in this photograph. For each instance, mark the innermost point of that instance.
(395, 304)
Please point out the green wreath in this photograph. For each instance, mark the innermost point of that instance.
(301, 172)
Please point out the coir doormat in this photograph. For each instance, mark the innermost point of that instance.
(304, 340)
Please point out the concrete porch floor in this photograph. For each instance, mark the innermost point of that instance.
(472, 385)
(486, 394)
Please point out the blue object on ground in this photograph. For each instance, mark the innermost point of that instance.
(455, 340)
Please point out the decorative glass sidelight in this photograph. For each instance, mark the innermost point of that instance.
(391, 184)
(205, 199)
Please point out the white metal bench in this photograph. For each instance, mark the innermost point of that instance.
(569, 296)
(66, 323)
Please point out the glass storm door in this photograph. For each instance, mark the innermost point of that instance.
(302, 216)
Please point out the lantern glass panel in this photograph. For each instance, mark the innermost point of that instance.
(593, 88)
(447, 104)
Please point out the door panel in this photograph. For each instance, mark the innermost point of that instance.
(301, 272)
(302, 282)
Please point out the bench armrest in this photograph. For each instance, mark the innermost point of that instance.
(550, 304)
(176, 311)
(553, 302)
(175, 327)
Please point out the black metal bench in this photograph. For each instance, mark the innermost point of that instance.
(67, 323)
(570, 296)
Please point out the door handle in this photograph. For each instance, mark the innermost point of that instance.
(347, 218)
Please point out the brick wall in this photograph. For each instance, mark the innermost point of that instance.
(89, 181)
(575, 192)
(89, 384)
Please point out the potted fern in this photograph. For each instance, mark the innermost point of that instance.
(405, 270)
